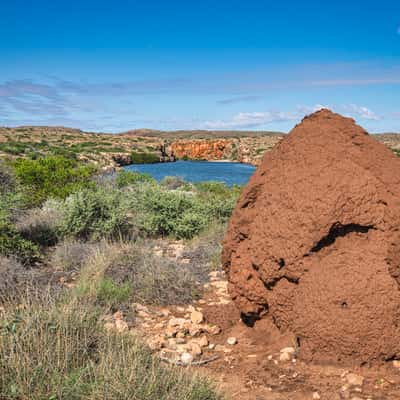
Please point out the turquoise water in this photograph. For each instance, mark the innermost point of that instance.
(196, 171)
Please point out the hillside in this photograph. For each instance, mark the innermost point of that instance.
(110, 151)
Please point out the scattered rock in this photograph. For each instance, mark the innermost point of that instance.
(195, 349)
(354, 379)
(316, 396)
(196, 317)
(396, 364)
(231, 341)
(202, 341)
(213, 329)
(186, 358)
(285, 357)
(177, 322)
(289, 350)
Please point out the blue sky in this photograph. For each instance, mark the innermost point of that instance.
(117, 65)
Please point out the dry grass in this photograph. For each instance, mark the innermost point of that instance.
(119, 272)
(58, 350)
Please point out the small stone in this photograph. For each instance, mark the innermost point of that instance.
(213, 329)
(221, 348)
(211, 346)
(195, 330)
(354, 379)
(180, 335)
(270, 357)
(155, 343)
(316, 396)
(231, 341)
(195, 349)
(180, 309)
(159, 325)
(201, 301)
(186, 358)
(165, 312)
(177, 322)
(180, 340)
(196, 317)
(171, 331)
(285, 357)
(172, 344)
(396, 364)
(202, 341)
(289, 350)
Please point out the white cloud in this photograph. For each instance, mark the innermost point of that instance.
(311, 109)
(251, 120)
(362, 112)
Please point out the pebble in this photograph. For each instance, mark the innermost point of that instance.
(396, 364)
(211, 346)
(202, 341)
(316, 396)
(196, 317)
(177, 322)
(213, 329)
(231, 341)
(289, 350)
(285, 357)
(195, 349)
(186, 358)
(354, 379)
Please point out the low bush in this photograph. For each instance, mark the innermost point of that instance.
(92, 214)
(144, 158)
(7, 178)
(13, 244)
(127, 178)
(173, 182)
(179, 214)
(51, 177)
(41, 225)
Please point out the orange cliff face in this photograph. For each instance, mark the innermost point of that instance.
(203, 149)
(247, 149)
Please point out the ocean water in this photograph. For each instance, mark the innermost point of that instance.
(197, 171)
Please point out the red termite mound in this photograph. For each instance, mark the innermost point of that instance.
(314, 242)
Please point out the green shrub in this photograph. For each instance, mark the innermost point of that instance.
(144, 158)
(7, 179)
(92, 214)
(172, 182)
(51, 177)
(112, 294)
(164, 212)
(126, 178)
(13, 244)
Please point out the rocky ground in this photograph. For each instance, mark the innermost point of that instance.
(249, 363)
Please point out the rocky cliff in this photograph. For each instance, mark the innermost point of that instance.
(247, 149)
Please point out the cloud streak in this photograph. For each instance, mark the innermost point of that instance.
(251, 120)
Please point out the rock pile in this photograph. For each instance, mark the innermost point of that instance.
(314, 242)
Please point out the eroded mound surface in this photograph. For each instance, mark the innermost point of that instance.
(314, 242)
